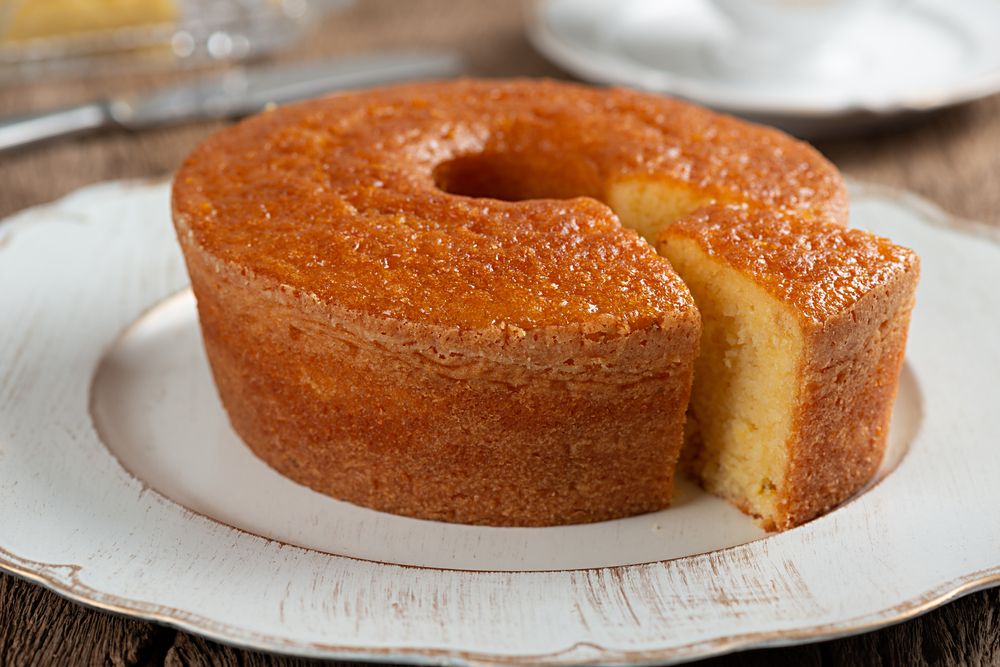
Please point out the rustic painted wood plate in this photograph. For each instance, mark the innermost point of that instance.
(122, 486)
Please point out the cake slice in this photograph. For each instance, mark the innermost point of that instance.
(804, 328)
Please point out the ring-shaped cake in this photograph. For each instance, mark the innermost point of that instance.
(443, 300)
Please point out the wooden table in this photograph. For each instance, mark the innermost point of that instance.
(951, 158)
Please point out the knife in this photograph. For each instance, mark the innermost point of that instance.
(235, 93)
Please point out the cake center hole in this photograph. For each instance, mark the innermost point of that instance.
(510, 177)
(640, 204)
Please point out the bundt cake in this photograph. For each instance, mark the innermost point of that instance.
(434, 300)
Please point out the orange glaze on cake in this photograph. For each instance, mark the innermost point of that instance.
(352, 177)
(820, 270)
(413, 298)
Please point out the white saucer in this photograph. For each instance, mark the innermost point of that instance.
(923, 55)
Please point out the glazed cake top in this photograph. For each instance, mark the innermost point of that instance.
(344, 198)
(819, 269)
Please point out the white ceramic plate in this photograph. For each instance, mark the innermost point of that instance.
(101, 367)
(925, 55)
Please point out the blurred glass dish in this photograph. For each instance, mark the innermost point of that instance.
(80, 37)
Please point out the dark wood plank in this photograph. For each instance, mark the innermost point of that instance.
(40, 628)
(950, 157)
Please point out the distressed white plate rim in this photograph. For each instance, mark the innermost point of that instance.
(77, 272)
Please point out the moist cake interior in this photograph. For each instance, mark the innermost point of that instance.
(745, 382)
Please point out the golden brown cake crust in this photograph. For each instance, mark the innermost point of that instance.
(848, 388)
(418, 425)
(457, 357)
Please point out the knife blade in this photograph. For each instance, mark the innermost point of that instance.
(235, 93)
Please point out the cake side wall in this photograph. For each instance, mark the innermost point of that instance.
(849, 384)
(383, 427)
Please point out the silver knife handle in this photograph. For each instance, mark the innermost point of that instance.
(34, 128)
